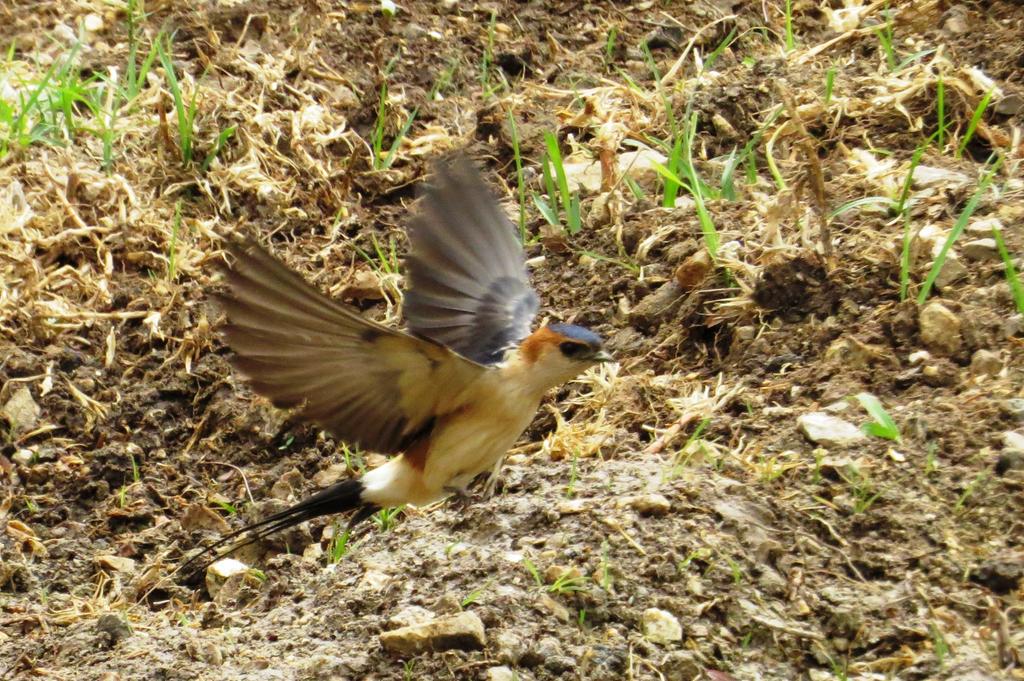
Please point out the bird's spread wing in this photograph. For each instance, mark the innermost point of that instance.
(468, 287)
(365, 383)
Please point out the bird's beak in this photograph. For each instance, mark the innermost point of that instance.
(603, 356)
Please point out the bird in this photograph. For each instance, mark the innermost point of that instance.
(447, 397)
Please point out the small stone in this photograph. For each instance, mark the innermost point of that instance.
(501, 673)
(1013, 440)
(206, 651)
(116, 563)
(559, 664)
(365, 285)
(410, 616)
(1009, 460)
(828, 430)
(93, 23)
(218, 572)
(683, 664)
(1012, 326)
(852, 353)
(745, 333)
(1010, 105)
(113, 628)
(464, 631)
(919, 356)
(656, 306)
(546, 649)
(412, 31)
(553, 607)
(374, 580)
(23, 457)
(343, 97)
(650, 504)
(929, 176)
(980, 249)
(200, 517)
(509, 648)
(661, 626)
(940, 328)
(21, 411)
(1002, 574)
(288, 485)
(956, 24)
(986, 363)
(448, 604)
(952, 272)
(983, 226)
(940, 374)
(692, 272)
(330, 475)
(572, 506)
(1014, 408)
(557, 572)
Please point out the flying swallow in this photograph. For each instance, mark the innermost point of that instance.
(447, 397)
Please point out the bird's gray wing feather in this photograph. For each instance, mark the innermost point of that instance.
(365, 383)
(467, 280)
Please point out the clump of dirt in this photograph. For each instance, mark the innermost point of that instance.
(716, 505)
(796, 287)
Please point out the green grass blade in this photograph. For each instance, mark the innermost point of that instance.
(570, 203)
(182, 110)
(790, 42)
(520, 182)
(958, 227)
(830, 82)
(1010, 271)
(905, 258)
(883, 426)
(940, 103)
(395, 143)
(717, 52)
(377, 142)
(549, 213)
(218, 145)
(675, 159)
(857, 203)
(25, 108)
(972, 126)
(729, 176)
(634, 188)
(900, 205)
(707, 227)
(912, 58)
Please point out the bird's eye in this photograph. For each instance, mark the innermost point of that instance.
(572, 350)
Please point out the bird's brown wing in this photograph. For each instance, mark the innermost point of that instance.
(365, 383)
(466, 275)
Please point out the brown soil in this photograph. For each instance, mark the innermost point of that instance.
(780, 558)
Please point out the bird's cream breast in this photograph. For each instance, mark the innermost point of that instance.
(465, 442)
(472, 440)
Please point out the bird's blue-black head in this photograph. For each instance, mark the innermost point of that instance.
(578, 341)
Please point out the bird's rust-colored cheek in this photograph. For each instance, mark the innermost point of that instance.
(535, 343)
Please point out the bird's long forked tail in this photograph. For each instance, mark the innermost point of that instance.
(338, 498)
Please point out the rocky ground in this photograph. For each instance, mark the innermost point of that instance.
(807, 463)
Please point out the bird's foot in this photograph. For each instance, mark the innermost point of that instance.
(457, 491)
(460, 497)
(491, 484)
